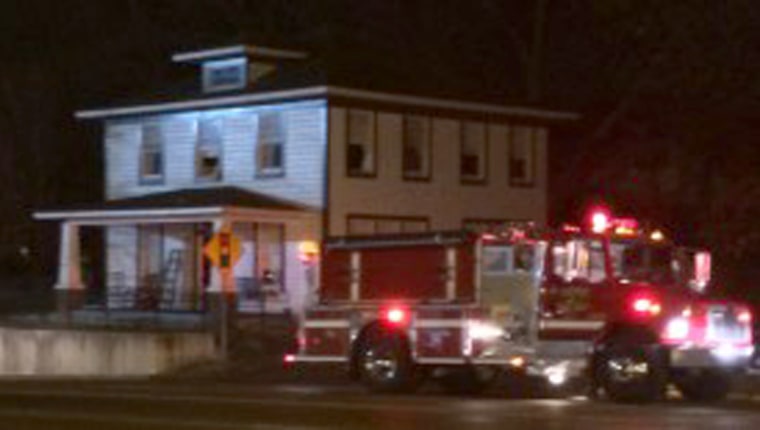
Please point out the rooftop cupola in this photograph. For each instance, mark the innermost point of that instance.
(236, 67)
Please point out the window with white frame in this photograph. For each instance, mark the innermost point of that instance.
(416, 148)
(271, 142)
(473, 149)
(208, 152)
(360, 144)
(224, 75)
(151, 154)
(522, 154)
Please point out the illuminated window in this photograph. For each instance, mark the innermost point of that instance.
(271, 140)
(360, 148)
(151, 154)
(416, 148)
(472, 155)
(522, 155)
(208, 154)
(579, 260)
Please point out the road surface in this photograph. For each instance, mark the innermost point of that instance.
(298, 406)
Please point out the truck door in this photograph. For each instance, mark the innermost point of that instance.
(574, 289)
(509, 283)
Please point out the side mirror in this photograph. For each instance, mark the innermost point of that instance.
(695, 268)
(702, 270)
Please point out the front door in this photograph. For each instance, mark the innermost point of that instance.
(575, 288)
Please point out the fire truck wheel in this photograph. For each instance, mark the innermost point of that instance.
(384, 362)
(705, 386)
(631, 372)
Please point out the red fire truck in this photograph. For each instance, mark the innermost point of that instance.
(613, 304)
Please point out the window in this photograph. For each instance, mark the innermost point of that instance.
(271, 139)
(416, 148)
(378, 224)
(579, 260)
(360, 149)
(509, 259)
(151, 155)
(472, 155)
(208, 154)
(522, 154)
(224, 75)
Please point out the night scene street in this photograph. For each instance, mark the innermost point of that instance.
(136, 405)
(379, 214)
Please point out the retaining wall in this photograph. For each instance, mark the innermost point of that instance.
(83, 353)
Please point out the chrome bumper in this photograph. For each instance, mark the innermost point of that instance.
(725, 357)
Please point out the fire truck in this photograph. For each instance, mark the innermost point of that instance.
(613, 304)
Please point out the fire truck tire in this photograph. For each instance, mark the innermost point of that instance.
(629, 372)
(384, 362)
(705, 386)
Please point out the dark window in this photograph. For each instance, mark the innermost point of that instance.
(522, 154)
(271, 140)
(224, 75)
(151, 154)
(472, 162)
(361, 146)
(208, 166)
(416, 148)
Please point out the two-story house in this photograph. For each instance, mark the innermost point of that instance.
(265, 147)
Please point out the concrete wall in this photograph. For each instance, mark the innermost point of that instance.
(38, 352)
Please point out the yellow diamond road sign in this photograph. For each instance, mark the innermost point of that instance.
(223, 250)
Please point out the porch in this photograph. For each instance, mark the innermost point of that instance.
(154, 253)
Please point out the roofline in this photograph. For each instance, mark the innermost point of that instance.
(236, 50)
(106, 215)
(327, 91)
(125, 213)
(297, 94)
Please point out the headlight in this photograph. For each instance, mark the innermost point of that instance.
(677, 329)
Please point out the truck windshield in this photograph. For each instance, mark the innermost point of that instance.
(643, 262)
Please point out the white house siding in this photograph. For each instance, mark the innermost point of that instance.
(444, 199)
(304, 152)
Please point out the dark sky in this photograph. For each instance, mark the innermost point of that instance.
(668, 90)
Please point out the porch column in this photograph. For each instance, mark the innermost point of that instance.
(222, 296)
(69, 288)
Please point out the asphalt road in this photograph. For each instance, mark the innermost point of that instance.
(298, 406)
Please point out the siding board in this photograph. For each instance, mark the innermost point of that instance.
(304, 152)
(445, 200)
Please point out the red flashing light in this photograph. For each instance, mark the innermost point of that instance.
(289, 359)
(395, 316)
(599, 222)
(646, 306)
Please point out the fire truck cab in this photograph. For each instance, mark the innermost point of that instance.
(616, 305)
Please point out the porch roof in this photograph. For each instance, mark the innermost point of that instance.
(207, 201)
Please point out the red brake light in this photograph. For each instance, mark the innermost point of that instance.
(646, 306)
(395, 316)
(745, 317)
